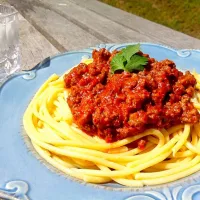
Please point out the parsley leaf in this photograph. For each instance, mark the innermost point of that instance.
(128, 60)
(117, 62)
(136, 63)
(129, 51)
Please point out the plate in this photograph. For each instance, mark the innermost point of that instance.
(24, 175)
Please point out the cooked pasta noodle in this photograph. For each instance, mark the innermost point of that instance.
(169, 154)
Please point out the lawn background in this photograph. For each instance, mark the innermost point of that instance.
(181, 15)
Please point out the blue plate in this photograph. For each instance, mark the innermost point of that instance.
(24, 175)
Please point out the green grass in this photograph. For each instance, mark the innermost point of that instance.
(181, 15)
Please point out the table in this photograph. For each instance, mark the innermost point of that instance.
(48, 27)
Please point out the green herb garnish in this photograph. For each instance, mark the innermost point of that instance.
(118, 62)
(128, 60)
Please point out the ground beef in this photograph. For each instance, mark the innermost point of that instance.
(115, 106)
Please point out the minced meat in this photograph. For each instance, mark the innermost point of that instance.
(115, 106)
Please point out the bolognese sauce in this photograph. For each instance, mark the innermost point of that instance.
(115, 106)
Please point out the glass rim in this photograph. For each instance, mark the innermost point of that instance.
(13, 11)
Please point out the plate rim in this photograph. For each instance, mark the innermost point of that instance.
(31, 72)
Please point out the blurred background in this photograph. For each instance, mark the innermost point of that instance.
(180, 15)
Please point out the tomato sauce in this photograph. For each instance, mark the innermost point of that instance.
(115, 106)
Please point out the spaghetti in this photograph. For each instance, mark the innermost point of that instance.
(169, 154)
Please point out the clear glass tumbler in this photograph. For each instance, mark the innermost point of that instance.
(9, 41)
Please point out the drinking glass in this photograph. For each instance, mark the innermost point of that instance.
(9, 41)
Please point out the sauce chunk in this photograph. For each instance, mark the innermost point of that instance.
(115, 106)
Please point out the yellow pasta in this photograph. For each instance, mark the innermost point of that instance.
(169, 154)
